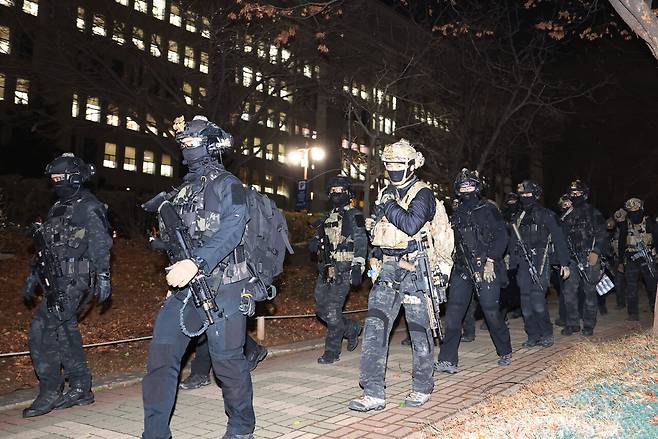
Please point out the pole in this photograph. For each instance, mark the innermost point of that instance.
(260, 328)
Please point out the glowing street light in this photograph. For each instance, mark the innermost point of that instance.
(301, 157)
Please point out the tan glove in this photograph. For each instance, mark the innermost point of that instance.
(489, 273)
(565, 272)
(370, 223)
(620, 268)
(592, 259)
(181, 273)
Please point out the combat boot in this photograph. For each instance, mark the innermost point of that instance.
(256, 357)
(353, 342)
(78, 394)
(547, 342)
(328, 358)
(505, 360)
(367, 403)
(44, 403)
(570, 330)
(587, 331)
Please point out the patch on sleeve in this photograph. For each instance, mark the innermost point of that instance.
(238, 194)
(359, 220)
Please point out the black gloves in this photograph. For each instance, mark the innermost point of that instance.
(103, 287)
(29, 286)
(356, 275)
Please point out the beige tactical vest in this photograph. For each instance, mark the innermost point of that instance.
(333, 227)
(637, 233)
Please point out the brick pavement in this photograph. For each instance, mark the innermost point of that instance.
(294, 397)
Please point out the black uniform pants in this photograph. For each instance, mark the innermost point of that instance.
(461, 292)
(55, 344)
(329, 301)
(226, 338)
(468, 328)
(201, 363)
(571, 292)
(620, 287)
(632, 272)
(537, 322)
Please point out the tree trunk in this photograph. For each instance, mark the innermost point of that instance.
(641, 19)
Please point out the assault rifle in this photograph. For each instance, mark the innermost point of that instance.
(328, 269)
(435, 292)
(178, 246)
(534, 274)
(466, 256)
(643, 252)
(48, 269)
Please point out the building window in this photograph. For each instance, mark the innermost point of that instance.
(138, 37)
(75, 106)
(282, 189)
(271, 87)
(189, 58)
(140, 6)
(172, 53)
(268, 186)
(271, 119)
(98, 25)
(129, 159)
(285, 93)
(307, 71)
(110, 155)
(2, 86)
(7, 2)
(118, 31)
(31, 7)
(166, 170)
(282, 122)
(93, 109)
(203, 62)
(122, 2)
(148, 165)
(205, 29)
(151, 124)
(274, 53)
(247, 43)
(203, 92)
(282, 153)
(245, 148)
(245, 112)
(112, 116)
(131, 123)
(80, 21)
(259, 81)
(257, 151)
(247, 76)
(260, 51)
(187, 92)
(5, 45)
(156, 44)
(285, 55)
(269, 151)
(190, 22)
(158, 9)
(174, 14)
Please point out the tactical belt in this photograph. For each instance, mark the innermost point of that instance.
(406, 261)
(343, 256)
(72, 266)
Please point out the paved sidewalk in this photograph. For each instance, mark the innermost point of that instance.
(297, 398)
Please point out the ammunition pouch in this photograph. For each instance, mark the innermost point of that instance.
(72, 267)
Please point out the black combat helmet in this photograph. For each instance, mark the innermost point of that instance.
(578, 185)
(530, 187)
(213, 138)
(341, 181)
(467, 177)
(75, 169)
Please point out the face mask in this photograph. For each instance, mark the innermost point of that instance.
(64, 189)
(396, 176)
(527, 201)
(339, 199)
(636, 217)
(578, 201)
(191, 157)
(468, 198)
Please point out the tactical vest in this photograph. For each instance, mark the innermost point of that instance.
(637, 233)
(69, 241)
(342, 244)
(580, 228)
(533, 229)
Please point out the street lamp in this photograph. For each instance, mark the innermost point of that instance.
(301, 157)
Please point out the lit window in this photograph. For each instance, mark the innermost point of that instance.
(174, 14)
(205, 30)
(268, 184)
(93, 109)
(187, 92)
(172, 53)
(285, 94)
(80, 21)
(271, 87)
(156, 44)
(282, 153)
(203, 62)
(31, 7)
(261, 50)
(75, 106)
(387, 125)
(132, 124)
(138, 37)
(122, 2)
(5, 46)
(140, 6)
(306, 132)
(285, 55)
(190, 22)
(112, 115)
(245, 148)
(256, 187)
(282, 122)
(158, 9)
(166, 170)
(247, 76)
(129, 159)
(362, 171)
(7, 2)
(2, 86)
(269, 151)
(203, 92)
(257, 151)
(98, 25)
(148, 164)
(118, 31)
(256, 114)
(110, 155)
(271, 119)
(394, 104)
(364, 93)
(259, 81)
(307, 71)
(245, 112)
(189, 58)
(274, 52)
(282, 189)
(151, 125)
(247, 43)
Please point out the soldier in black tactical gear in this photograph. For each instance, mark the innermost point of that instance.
(535, 231)
(584, 228)
(212, 204)
(480, 242)
(637, 246)
(73, 254)
(614, 229)
(404, 211)
(511, 206)
(341, 243)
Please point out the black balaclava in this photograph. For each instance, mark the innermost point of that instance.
(339, 199)
(65, 189)
(527, 201)
(195, 158)
(636, 216)
(468, 199)
(577, 201)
